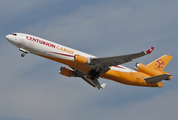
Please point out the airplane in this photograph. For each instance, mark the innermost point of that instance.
(90, 68)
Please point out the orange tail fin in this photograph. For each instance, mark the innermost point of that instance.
(160, 63)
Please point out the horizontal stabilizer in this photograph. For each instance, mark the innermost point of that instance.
(158, 78)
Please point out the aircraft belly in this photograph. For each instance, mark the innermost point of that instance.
(129, 78)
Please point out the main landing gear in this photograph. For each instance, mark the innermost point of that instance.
(94, 74)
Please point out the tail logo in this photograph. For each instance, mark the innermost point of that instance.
(160, 63)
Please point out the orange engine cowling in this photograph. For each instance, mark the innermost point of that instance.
(81, 60)
(148, 70)
(67, 72)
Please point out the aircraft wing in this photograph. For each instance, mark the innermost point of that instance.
(106, 62)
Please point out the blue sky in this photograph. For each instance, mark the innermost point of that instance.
(32, 89)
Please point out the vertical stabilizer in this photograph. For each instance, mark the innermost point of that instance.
(160, 63)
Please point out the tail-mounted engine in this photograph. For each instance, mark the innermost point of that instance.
(81, 60)
(148, 70)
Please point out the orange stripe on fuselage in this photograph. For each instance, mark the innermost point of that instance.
(128, 78)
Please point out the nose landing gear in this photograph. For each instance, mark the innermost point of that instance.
(24, 52)
(23, 55)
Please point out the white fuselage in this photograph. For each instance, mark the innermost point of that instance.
(39, 46)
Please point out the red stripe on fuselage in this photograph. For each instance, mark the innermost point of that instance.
(61, 54)
(118, 67)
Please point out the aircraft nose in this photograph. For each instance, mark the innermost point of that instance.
(8, 37)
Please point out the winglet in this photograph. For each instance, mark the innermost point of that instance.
(149, 50)
(103, 85)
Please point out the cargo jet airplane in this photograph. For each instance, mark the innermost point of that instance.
(90, 67)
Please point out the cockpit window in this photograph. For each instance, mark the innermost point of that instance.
(14, 34)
